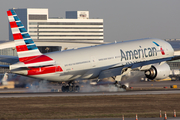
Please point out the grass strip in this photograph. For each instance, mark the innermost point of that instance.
(89, 106)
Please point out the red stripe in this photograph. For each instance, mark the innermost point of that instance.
(58, 68)
(9, 13)
(27, 58)
(41, 58)
(44, 70)
(162, 51)
(13, 24)
(21, 48)
(17, 36)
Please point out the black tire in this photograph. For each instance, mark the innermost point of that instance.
(124, 87)
(70, 88)
(63, 88)
(77, 88)
(67, 88)
(74, 88)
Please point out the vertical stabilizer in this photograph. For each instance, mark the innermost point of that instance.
(25, 46)
(32, 61)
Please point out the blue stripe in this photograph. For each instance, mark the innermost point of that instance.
(31, 47)
(13, 13)
(16, 18)
(155, 43)
(22, 30)
(30, 41)
(26, 36)
(19, 24)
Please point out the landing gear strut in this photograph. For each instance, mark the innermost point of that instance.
(119, 85)
(123, 86)
(119, 77)
(71, 87)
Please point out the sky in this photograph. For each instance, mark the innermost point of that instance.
(123, 19)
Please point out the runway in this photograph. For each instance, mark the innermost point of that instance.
(23, 92)
(154, 84)
(60, 94)
(124, 119)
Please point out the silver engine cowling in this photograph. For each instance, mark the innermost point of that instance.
(157, 71)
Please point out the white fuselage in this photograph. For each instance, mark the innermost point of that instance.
(87, 63)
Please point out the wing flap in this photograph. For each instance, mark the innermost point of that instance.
(110, 72)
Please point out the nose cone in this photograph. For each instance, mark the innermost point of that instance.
(171, 50)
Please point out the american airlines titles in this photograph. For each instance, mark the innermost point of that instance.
(139, 53)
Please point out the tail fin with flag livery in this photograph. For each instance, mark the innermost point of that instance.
(27, 51)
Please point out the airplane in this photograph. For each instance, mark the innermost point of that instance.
(95, 62)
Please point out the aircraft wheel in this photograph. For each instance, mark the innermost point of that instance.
(124, 87)
(63, 88)
(70, 89)
(74, 88)
(67, 88)
(77, 88)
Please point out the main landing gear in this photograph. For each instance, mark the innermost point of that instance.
(70, 87)
(120, 86)
(119, 77)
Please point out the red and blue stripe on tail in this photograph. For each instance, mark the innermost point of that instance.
(27, 51)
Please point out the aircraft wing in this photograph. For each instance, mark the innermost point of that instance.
(114, 71)
(9, 59)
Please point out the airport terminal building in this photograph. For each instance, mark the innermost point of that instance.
(76, 30)
(75, 27)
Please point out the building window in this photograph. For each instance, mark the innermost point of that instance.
(68, 35)
(70, 39)
(68, 23)
(64, 23)
(46, 49)
(37, 17)
(65, 27)
(65, 31)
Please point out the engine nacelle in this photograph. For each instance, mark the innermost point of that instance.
(158, 72)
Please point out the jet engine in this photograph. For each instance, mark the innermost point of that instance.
(158, 71)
